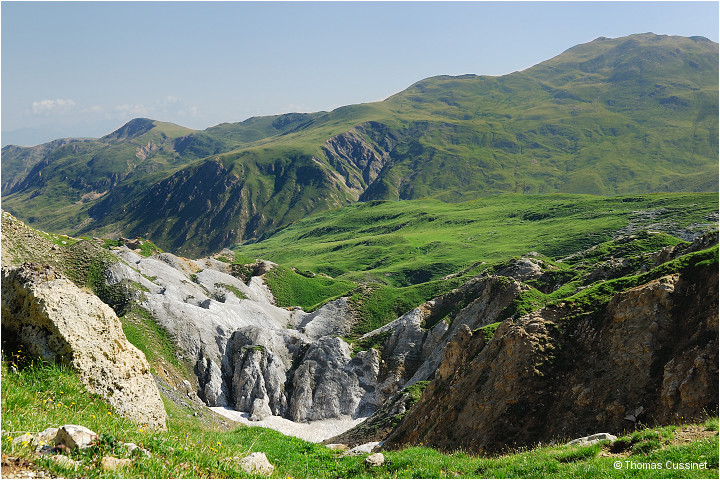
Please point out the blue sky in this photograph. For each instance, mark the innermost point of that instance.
(83, 69)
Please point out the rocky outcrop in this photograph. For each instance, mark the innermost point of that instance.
(258, 382)
(334, 318)
(649, 355)
(412, 352)
(523, 269)
(308, 374)
(200, 308)
(247, 353)
(329, 383)
(486, 397)
(58, 322)
(401, 351)
(360, 154)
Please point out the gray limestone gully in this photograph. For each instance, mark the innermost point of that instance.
(248, 353)
(255, 357)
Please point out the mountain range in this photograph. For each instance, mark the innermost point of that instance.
(636, 114)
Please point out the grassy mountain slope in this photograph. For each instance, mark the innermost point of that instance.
(70, 183)
(600, 118)
(410, 242)
(36, 396)
(401, 254)
(614, 116)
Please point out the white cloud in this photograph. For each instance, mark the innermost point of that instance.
(45, 107)
(134, 110)
(93, 109)
(169, 100)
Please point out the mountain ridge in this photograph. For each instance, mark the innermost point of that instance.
(635, 114)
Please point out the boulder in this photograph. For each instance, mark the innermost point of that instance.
(59, 322)
(374, 460)
(131, 448)
(110, 464)
(75, 436)
(256, 464)
(362, 449)
(46, 437)
(593, 439)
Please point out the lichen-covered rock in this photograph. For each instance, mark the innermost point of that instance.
(256, 464)
(374, 460)
(110, 464)
(59, 322)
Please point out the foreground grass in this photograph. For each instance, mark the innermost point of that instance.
(37, 396)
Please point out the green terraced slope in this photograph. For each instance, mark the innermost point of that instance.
(415, 241)
(636, 114)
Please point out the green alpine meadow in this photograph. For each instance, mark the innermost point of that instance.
(509, 276)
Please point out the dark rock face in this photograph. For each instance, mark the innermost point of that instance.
(360, 154)
(651, 355)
